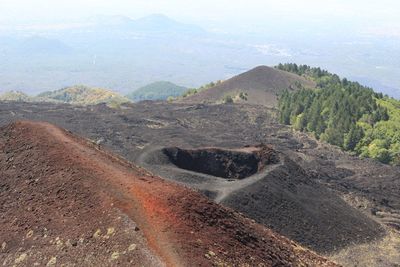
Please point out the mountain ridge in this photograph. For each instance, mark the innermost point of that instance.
(261, 85)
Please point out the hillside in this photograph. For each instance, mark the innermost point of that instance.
(83, 95)
(260, 86)
(75, 95)
(345, 114)
(67, 202)
(300, 197)
(15, 96)
(157, 91)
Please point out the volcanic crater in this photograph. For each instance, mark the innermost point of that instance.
(231, 164)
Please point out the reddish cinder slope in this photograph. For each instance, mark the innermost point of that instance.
(64, 201)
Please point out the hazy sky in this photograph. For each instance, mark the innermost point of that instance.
(315, 30)
(218, 13)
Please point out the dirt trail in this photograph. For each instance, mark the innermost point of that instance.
(135, 201)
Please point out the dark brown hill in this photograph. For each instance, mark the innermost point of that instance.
(66, 202)
(261, 84)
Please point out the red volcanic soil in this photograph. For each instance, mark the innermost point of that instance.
(65, 201)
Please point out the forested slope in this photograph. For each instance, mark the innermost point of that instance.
(157, 91)
(343, 113)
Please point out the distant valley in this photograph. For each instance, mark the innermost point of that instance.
(125, 54)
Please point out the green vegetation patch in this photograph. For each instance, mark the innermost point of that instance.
(343, 113)
(157, 91)
(83, 95)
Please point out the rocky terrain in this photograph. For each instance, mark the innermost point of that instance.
(325, 199)
(65, 201)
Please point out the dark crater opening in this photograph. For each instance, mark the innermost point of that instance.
(229, 164)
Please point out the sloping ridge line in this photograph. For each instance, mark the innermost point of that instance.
(169, 213)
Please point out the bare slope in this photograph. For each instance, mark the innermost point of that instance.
(65, 202)
(261, 84)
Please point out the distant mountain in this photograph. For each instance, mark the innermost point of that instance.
(152, 24)
(83, 95)
(19, 96)
(159, 22)
(38, 45)
(260, 86)
(109, 20)
(157, 91)
(15, 96)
